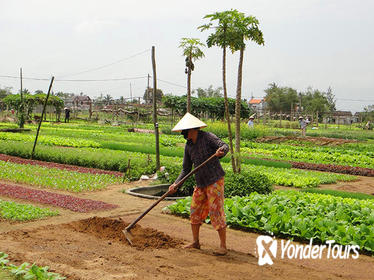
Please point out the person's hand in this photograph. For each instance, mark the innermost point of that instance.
(172, 188)
(220, 152)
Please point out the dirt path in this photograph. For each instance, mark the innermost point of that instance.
(364, 185)
(84, 248)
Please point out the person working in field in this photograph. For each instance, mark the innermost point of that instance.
(303, 124)
(67, 114)
(250, 122)
(208, 196)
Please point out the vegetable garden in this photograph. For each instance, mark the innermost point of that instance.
(82, 168)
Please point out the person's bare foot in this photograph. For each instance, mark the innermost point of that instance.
(220, 252)
(193, 245)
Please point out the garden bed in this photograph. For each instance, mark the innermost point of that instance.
(61, 200)
(76, 168)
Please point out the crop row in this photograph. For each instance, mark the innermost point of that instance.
(354, 170)
(131, 143)
(145, 164)
(299, 214)
(349, 154)
(55, 178)
(296, 177)
(61, 200)
(49, 140)
(87, 157)
(329, 155)
(23, 212)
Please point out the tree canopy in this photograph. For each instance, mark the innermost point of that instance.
(209, 92)
(148, 95)
(212, 106)
(312, 101)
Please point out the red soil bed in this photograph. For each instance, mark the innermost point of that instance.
(334, 168)
(58, 165)
(61, 200)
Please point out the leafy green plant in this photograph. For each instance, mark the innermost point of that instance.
(26, 271)
(344, 194)
(299, 214)
(54, 177)
(235, 184)
(245, 183)
(23, 212)
(49, 140)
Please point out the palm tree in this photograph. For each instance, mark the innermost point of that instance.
(192, 52)
(108, 99)
(221, 38)
(244, 28)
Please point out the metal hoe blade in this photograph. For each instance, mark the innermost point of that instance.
(128, 235)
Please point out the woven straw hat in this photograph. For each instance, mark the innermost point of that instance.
(187, 122)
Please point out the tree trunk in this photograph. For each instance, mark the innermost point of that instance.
(280, 119)
(189, 87)
(227, 113)
(237, 111)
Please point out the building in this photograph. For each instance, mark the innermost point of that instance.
(258, 105)
(82, 102)
(342, 117)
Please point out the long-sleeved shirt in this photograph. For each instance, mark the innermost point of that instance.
(194, 154)
(303, 124)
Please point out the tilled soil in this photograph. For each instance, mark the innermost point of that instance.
(91, 246)
(111, 229)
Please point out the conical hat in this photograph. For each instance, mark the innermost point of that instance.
(187, 122)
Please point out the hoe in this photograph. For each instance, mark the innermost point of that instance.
(127, 230)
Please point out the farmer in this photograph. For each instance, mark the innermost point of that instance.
(303, 123)
(67, 114)
(208, 196)
(250, 122)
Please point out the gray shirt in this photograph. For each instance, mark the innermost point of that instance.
(303, 124)
(206, 145)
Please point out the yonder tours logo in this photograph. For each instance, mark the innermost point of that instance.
(267, 250)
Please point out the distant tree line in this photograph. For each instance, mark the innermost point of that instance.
(30, 101)
(311, 102)
(212, 107)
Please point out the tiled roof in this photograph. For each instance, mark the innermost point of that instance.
(255, 101)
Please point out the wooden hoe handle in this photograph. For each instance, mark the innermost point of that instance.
(130, 226)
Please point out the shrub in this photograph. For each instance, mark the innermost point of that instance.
(245, 183)
(235, 184)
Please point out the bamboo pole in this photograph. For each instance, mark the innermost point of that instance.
(21, 107)
(41, 118)
(155, 109)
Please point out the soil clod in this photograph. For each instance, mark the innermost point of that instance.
(111, 229)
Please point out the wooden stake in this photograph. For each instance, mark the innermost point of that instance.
(155, 109)
(127, 172)
(41, 118)
(21, 109)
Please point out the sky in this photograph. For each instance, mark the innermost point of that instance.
(308, 43)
